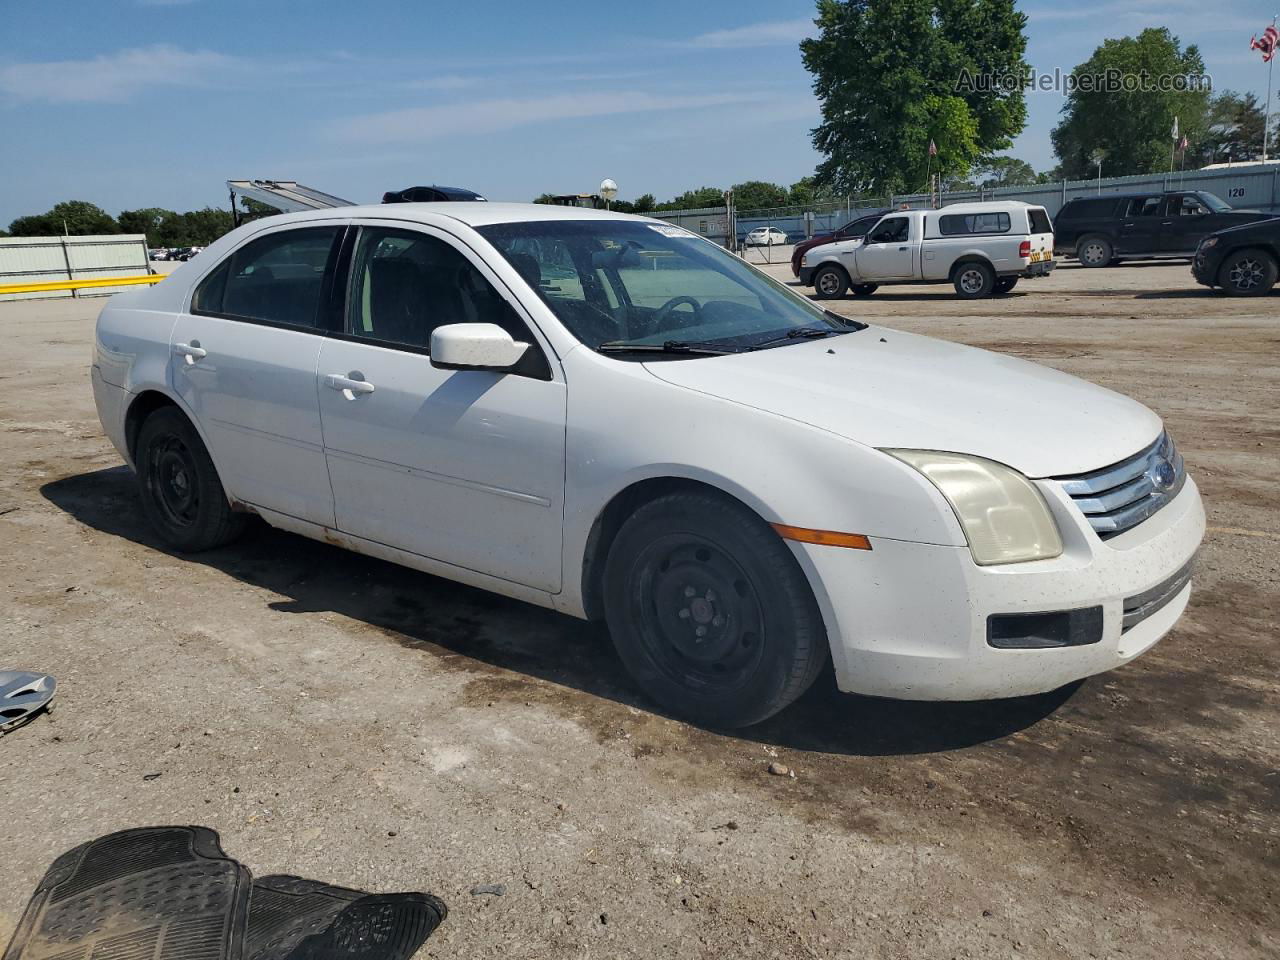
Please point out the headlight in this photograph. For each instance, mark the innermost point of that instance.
(1004, 517)
(1208, 242)
(804, 261)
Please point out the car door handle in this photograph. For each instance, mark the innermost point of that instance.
(192, 351)
(350, 388)
(902, 248)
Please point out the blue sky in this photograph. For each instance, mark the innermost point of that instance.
(132, 103)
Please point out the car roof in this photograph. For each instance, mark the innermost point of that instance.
(472, 213)
(980, 206)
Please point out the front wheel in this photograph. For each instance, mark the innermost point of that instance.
(864, 289)
(1247, 273)
(830, 283)
(710, 612)
(182, 496)
(974, 280)
(1006, 284)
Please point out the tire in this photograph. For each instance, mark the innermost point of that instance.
(864, 289)
(830, 283)
(182, 496)
(1248, 273)
(974, 280)
(1095, 251)
(1005, 284)
(710, 612)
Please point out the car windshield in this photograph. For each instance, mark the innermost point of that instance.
(633, 283)
(1216, 204)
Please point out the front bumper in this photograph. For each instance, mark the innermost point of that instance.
(806, 276)
(911, 620)
(1205, 269)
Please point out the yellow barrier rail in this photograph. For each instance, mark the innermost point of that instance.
(79, 284)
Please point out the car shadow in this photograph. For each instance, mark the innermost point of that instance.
(442, 617)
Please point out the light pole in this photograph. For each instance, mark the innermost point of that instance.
(1097, 158)
(608, 190)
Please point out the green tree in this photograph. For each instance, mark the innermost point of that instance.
(1004, 172)
(205, 226)
(807, 191)
(1132, 127)
(146, 220)
(544, 198)
(1233, 130)
(892, 75)
(645, 203)
(695, 199)
(78, 218)
(758, 195)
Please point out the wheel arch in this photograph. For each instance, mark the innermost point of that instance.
(146, 402)
(967, 258)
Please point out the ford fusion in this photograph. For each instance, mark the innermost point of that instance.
(614, 418)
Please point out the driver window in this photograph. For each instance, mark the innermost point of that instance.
(405, 284)
(1192, 207)
(893, 230)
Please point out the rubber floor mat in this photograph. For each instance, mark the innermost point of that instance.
(152, 893)
(295, 919)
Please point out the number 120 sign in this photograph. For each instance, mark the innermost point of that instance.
(1235, 193)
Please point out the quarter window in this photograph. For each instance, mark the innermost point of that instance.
(276, 279)
(405, 284)
(959, 224)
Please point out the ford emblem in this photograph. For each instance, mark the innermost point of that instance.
(1162, 475)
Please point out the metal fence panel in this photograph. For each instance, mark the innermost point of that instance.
(41, 259)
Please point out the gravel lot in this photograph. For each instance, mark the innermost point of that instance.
(344, 719)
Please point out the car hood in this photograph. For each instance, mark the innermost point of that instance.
(884, 388)
(1247, 222)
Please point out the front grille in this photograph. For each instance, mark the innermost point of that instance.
(1118, 498)
(1143, 605)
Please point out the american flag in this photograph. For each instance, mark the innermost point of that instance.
(1267, 43)
(933, 147)
(1184, 142)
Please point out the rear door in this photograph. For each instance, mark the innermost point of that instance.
(243, 360)
(887, 253)
(1142, 225)
(462, 466)
(1186, 220)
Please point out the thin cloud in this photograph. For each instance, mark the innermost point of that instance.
(771, 33)
(111, 78)
(418, 124)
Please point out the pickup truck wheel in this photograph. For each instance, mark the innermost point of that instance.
(1095, 252)
(864, 289)
(830, 283)
(1248, 273)
(182, 496)
(1006, 284)
(710, 612)
(974, 280)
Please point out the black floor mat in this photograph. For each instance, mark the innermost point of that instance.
(152, 893)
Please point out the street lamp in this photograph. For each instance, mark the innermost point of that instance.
(608, 190)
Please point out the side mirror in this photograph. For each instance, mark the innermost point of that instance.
(474, 346)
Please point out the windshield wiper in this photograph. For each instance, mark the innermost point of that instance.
(669, 346)
(797, 333)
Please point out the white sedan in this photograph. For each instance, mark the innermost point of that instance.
(612, 417)
(766, 237)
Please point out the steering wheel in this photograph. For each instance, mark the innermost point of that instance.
(664, 311)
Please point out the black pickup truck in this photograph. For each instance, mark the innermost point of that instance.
(1106, 229)
(1243, 261)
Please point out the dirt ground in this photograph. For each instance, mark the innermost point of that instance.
(347, 720)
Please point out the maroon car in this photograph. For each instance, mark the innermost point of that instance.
(850, 231)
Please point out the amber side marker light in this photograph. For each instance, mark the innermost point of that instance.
(827, 538)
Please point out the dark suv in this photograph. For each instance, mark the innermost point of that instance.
(1244, 261)
(850, 231)
(1141, 226)
(432, 194)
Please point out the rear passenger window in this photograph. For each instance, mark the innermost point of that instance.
(1144, 206)
(958, 224)
(405, 284)
(1039, 220)
(275, 279)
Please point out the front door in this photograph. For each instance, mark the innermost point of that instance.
(886, 253)
(462, 466)
(1186, 221)
(243, 360)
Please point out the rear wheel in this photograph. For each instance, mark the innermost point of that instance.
(1247, 273)
(1006, 284)
(1095, 252)
(182, 496)
(710, 612)
(974, 280)
(864, 289)
(830, 283)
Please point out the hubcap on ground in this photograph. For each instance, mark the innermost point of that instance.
(699, 616)
(172, 478)
(1245, 273)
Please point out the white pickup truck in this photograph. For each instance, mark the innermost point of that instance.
(981, 248)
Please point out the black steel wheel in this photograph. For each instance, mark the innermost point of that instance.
(1005, 284)
(182, 496)
(864, 289)
(710, 611)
